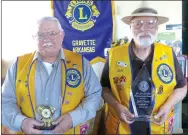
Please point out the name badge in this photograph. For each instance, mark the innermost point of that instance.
(121, 63)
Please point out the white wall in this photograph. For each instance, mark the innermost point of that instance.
(18, 21)
(18, 24)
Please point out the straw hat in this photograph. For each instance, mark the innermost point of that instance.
(145, 10)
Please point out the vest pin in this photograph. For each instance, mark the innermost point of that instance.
(74, 65)
(160, 91)
(121, 63)
(69, 93)
(66, 102)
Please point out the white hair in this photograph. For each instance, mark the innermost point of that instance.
(50, 18)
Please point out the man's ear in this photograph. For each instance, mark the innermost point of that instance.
(62, 35)
(130, 27)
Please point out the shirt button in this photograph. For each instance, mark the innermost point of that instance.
(46, 98)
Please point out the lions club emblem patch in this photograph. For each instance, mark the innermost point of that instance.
(165, 73)
(82, 15)
(73, 78)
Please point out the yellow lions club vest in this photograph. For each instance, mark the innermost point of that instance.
(163, 76)
(72, 82)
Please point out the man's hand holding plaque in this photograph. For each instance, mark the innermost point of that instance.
(46, 113)
(142, 96)
(28, 126)
(124, 113)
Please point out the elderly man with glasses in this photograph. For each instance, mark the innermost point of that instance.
(51, 90)
(142, 80)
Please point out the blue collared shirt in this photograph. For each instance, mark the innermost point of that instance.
(48, 92)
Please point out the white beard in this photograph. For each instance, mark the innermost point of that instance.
(144, 42)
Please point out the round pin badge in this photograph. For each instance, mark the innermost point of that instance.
(73, 78)
(165, 73)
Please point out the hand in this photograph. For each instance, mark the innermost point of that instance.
(64, 123)
(124, 114)
(162, 115)
(28, 126)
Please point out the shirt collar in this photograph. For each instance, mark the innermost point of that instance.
(61, 56)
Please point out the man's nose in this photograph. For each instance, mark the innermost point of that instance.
(144, 27)
(46, 37)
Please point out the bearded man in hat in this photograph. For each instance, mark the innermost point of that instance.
(142, 80)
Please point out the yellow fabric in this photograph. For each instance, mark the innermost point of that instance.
(70, 102)
(122, 92)
(22, 93)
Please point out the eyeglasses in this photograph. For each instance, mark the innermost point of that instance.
(41, 36)
(150, 24)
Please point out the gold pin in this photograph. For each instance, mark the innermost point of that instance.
(160, 91)
(66, 102)
(74, 65)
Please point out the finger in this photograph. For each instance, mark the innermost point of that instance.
(158, 121)
(36, 131)
(128, 113)
(154, 121)
(159, 114)
(127, 120)
(37, 123)
(57, 130)
(162, 119)
(58, 120)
